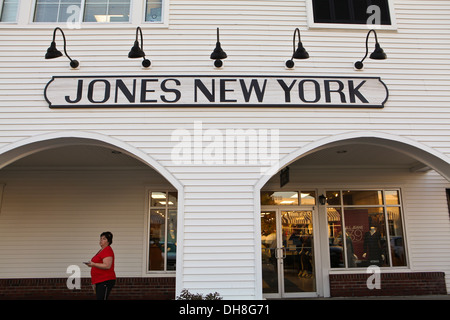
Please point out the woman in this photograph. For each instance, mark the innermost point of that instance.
(103, 275)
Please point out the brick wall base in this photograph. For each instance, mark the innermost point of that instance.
(56, 288)
(392, 284)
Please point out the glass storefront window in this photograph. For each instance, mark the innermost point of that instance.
(333, 198)
(288, 198)
(362, 197)
(279, 198)
(392, 197)
(366, 230)
(308, 198)
(335, 241)
(162, 231)
(396, 237)
(372, 225)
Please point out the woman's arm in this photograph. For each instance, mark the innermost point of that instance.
(105, 265)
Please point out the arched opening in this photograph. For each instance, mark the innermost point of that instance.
(60, 192)
(338, 190)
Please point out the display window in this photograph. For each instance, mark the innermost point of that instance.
(162, 247)
(365, 228)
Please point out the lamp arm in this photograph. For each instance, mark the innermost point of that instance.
(64, 38)
(138, 29)
(367, 42)
(297, 30)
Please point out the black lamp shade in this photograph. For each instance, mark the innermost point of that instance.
(218, 53)
(136, 51)
(300, 53)
(52, 52)
(378, 54)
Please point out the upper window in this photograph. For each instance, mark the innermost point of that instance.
(365, 228)
(354, 12)
(8, 10)
(153, 11)
(92, 11)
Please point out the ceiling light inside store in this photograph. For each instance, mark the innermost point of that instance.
(107, 17)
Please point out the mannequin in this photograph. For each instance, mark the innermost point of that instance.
(372, 247)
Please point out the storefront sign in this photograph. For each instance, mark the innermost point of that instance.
(213, 91)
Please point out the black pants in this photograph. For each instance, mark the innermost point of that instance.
(103, 289)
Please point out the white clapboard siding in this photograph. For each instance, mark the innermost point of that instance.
(219, 229)
(51, 219)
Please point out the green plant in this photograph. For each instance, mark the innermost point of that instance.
(186, 295)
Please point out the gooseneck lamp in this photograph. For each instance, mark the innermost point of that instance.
(300, 53)
(138, 51)
(377, 54)
(218, 54)
(52, 52)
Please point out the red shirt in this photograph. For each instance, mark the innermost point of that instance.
(100, 275)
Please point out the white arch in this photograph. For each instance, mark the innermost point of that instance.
(416, 150)
(22, 148)
(28, 146)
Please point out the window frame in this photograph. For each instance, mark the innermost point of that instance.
(385, 206)
(149, 191)
(312, 24)
(447, 192)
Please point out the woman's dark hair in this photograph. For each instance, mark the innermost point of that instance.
(108, 235)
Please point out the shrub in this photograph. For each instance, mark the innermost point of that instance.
(186, 295)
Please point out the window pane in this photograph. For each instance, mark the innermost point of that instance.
(342, 10)
(46, 11)
(268, 249)
(392, 197)
(333, 198)
(107, 11)
(55, 10)
(362, 197)
(173, 199)
(366, 228)
(396, 236)
(335, 238)
(157, 237)
(360, 15)
(308, 198)
(69, 9)
(172, 240)
(384, 8)
(158, 199)
(322, 11)
(279, 198)
(153, 11)
(9, 11)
